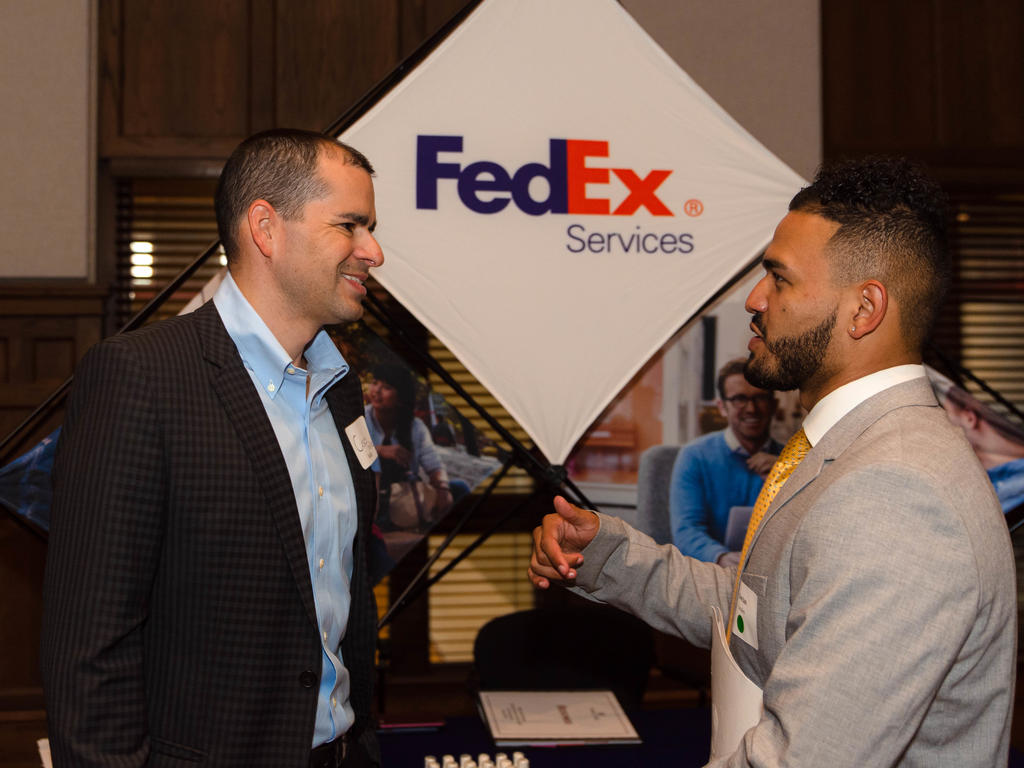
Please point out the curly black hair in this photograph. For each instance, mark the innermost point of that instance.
(892, 228)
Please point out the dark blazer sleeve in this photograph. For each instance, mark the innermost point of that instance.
(103, 550)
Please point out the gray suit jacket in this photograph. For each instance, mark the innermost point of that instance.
(884, 577)
(179, 626)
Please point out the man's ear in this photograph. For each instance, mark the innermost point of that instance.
(872, 305)
(721, 408)
(261, 221)
(968, 419)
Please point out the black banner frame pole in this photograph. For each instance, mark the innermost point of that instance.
(548, 474)
(393, 78)
(422, 582)
(469, 548)
(417, 580)
(51, 402)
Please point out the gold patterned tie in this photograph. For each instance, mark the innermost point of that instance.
(792, 454)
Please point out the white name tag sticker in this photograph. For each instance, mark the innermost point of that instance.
(359, 437)
(744, 626)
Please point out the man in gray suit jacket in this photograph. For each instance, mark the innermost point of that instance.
(880, 581)
(206, 595)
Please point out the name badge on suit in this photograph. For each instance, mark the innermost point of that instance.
(736, 702)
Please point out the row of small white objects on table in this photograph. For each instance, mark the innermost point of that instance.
(501, 760)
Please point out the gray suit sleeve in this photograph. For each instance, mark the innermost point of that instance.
(655, 582)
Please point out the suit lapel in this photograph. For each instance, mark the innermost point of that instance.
(842, 434)
(345, 400)
(241, 402)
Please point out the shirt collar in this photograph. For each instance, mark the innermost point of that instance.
(263, 354)
(827, 412)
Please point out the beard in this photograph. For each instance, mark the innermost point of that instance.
(789, 362)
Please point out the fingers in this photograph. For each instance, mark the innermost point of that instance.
(568, 512)
(555, 555)
(729, 559)
(539, 581)
(578, 528)
(760, 463)
(543, 568)
(550, 543)
(542, 574)
(558, 542)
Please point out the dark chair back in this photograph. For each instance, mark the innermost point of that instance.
(590, 646)
(654, 474)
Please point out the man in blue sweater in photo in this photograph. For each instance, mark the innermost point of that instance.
(723, 469)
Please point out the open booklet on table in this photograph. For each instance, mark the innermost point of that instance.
(564, 718)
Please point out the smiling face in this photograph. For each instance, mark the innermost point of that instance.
(382, 396)
(794, 309)
(748, 409)
(329, 249)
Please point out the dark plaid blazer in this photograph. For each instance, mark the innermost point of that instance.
(179, 624)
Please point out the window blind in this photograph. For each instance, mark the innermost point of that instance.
(491, 582)
(162, 226)
(982, 324)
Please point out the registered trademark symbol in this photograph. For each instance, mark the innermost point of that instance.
(693, 207)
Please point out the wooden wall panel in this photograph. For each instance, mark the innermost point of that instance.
(330, 55)
(981, 73)
(185, 65)
(940, 80)
(44, 330)
(173, 77)
(22, 559)
(188, 79)
(878, 75)
(421, 18)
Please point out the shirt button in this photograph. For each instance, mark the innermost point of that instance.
(290, 369)
(334, 701)
(325, 635)
(271, 387)
(321, 562)
(320, 490)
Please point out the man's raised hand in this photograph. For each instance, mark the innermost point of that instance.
(558, 541)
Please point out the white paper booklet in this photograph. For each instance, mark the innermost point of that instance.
(556, 717)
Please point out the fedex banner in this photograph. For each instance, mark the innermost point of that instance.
(556, 198)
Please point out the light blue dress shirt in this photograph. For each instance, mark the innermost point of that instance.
(320, 477)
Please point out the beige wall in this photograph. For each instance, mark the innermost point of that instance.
(761, 61)
(764, 68)
(47, 147)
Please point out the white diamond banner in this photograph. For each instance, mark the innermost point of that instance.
(556, 197)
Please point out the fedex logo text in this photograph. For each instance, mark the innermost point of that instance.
(487, 187)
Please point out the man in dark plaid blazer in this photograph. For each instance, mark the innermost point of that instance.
(206, 594)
